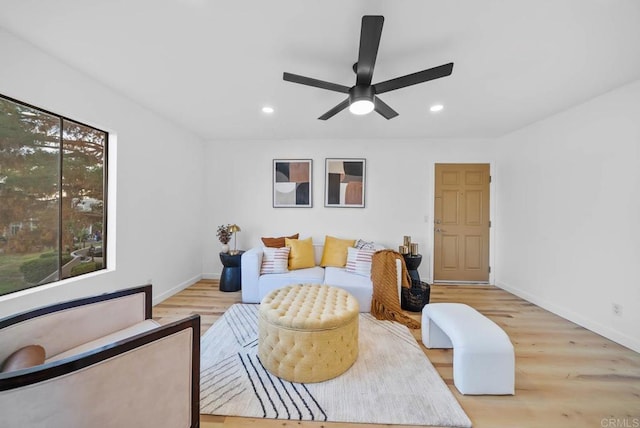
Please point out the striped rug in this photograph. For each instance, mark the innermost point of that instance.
(392, 382)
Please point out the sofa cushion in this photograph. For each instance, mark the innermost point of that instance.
(301, 254)
(274, 260)
(359, 286)
(313, 275)
(268, 283)
(335, 251)
(277, 242)
(359, 261)
(23, 358)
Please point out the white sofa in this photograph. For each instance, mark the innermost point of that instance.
(256, 286)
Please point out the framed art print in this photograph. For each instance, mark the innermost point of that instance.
(345, 183)
(292, 179)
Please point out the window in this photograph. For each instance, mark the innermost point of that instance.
(52, 197)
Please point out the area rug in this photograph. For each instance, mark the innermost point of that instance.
(392, 382)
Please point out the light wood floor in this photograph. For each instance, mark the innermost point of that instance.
(566, 376)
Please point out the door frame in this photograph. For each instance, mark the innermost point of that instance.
(430, 217)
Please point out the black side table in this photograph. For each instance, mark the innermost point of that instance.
(412, 263)
(231, 277)
(414, 298)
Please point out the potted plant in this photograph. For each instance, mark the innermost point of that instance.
(224, 235)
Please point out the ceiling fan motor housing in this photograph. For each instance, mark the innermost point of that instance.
(361, 92)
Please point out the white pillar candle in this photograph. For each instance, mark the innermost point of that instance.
(414, 249)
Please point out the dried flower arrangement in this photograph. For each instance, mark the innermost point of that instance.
(224, 235)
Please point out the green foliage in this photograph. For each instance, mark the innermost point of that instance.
(85, 268)
(11, 278)
(33, 145)
(29, 158)
(36, 270)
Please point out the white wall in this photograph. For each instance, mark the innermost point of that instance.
(567, 235)
(160, 180)
(398, 195)
(568, 217)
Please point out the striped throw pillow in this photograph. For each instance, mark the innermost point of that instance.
(359, 261)
(275, 260)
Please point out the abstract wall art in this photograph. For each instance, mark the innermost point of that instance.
(292, 183)
(345, 182)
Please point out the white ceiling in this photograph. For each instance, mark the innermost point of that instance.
(210, 65)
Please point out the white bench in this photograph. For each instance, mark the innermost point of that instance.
(483, 357)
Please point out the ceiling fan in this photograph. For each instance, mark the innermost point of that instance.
(363, 96)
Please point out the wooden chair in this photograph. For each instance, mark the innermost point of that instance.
(107, 364)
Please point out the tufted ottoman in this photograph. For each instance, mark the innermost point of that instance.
(308, 333)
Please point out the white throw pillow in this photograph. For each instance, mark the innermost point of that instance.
(359, 261)
(275, 260)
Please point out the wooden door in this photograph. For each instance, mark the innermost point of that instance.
(461, 222)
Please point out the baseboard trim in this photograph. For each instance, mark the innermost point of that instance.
(443, 282)
(210, 276)
(602, 330)
(170, 292)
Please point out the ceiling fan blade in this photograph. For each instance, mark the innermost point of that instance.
(337, 109)
(369, 42)
(295, 78)
(414, 79)
(384, 109)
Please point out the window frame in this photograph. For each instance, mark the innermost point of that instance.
(60, 169)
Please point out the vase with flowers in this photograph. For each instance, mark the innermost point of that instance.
(224, 235)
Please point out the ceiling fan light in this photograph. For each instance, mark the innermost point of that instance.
(361, 99)
(361, 107)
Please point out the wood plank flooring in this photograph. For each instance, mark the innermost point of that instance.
(566, 376)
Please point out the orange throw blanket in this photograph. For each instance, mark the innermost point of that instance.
(386, 303)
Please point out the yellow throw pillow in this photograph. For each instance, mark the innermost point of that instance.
(335, 251)
(301, 254)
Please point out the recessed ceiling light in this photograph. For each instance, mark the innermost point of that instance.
(267, 109)
(436, 108)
